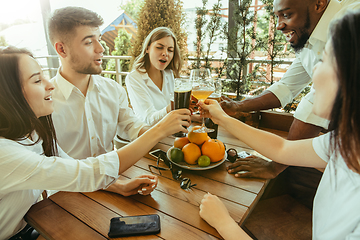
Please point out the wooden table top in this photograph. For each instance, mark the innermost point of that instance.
(67, 215)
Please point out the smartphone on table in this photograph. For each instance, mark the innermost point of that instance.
(158, 152)
(134, 225)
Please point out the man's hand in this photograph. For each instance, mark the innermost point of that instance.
(229, 106)
(143, 185)
(255, 167)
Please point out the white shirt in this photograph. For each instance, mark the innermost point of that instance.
(86, 126)
(299, 74)
(25, 173)
(336, 213)
(148, 101)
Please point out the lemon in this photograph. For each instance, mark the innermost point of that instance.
(204, 161)
(176, 155)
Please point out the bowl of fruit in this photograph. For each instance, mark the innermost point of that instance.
(197, 151)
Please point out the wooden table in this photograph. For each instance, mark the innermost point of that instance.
(67, 215)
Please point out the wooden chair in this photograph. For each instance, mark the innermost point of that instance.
(279, 218)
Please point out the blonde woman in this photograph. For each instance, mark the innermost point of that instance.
(151, 83)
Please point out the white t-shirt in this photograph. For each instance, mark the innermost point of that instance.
(86, 125)
(25, 172)
(336, 213)
(148, 101)
(299, 74)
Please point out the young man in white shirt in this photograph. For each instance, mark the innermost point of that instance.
(305, 24)
(89, 110)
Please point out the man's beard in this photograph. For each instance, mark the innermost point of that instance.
(305, 35)
(89, 69)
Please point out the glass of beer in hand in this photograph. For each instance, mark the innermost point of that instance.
(182, 96)
(202, 87)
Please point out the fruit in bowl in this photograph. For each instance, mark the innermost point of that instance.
(213, 148)
(199, 148)
(180, 142)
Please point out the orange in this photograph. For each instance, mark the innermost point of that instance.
(191, 153)
(180, 142)
(214, 149)
(197, 138)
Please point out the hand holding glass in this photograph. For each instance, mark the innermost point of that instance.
(182, 96)
(202, 87)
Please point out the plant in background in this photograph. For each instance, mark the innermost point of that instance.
(3, 41)
(160, 13)
(209, 29)
(291, 107)
(273, 41)
(132, 8)
(240, 46)
(213, 29)
(122, 47)
(106, 53)
(200, 23)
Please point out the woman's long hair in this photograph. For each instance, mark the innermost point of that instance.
(17, 120)
(142, 61)
(345, 115)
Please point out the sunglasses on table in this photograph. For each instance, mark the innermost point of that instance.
(185, 183)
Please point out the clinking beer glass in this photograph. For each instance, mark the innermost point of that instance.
(182, 96)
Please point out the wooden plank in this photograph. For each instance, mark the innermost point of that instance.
(276, 120)
(172, 187)
(51, 220)
(88, 211)
(218, 175)
(176, 208)
(171, 228)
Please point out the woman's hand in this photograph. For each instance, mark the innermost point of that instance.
(143, 185)
(211, 109)
(213, 211)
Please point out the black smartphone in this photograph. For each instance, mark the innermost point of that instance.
(134, 225)
(158, 152)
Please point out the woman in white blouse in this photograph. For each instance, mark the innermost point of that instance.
(336, 212)
(31, 161)
(151, 83)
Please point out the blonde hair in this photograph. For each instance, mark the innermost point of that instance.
(142, 60)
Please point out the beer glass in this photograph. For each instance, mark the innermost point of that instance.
(182, 96)
(202, 87)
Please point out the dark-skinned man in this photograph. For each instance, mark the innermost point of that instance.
(305, 25)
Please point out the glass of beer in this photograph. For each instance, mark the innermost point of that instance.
(202, 87)
(182, 96)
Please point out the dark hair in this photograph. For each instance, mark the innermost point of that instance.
(64, 21)
(345, 115)
(17, 119)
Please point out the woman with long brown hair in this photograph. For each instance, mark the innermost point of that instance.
(31, 161)
(337, 83)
